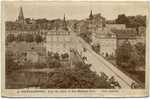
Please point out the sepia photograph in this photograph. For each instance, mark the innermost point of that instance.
(74, 45)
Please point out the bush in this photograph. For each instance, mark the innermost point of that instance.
(86, 36)
(79, 77)
(56, 56)
(20, 37)
(10, 38)
(65, 56)
(130, 57)
(96, 48)
(38, 38)
(124, 53)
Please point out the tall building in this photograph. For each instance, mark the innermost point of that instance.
(96, 23)
(21, 16)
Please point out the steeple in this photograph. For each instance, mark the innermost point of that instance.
(64, 23)
(20, 17)
(64, 18)
(91, 15)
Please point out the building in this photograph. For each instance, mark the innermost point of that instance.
(32, 57)
(58, 40)
(102, 35)
(27, 24)
(115, 26)
(107, 42)
(96, 22)
(21, 16)
(129, 34)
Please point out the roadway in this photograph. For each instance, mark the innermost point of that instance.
(99, 64)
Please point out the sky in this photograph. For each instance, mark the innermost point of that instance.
(72, 10)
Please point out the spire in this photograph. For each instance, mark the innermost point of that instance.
(21, 17)
(64, 19)
(91, 15)
(64, 22)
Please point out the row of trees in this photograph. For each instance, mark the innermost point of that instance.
(79, 77)
(58, 56)
(131, 21)
(25, 37)
(87, 36)
(54, 59)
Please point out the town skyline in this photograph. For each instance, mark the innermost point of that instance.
(71, 11)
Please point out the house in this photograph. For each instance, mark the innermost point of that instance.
(107, 43)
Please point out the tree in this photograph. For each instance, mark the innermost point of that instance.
(133, 60)
(10, 64)
(124, 53)
(131, 57)
(27, 20)
(86, 36)
(20, 37)
(140, 49)
(131, 21)
(56, 56)
(79, 77)
(96, 48)
(65, 56)
(38, 38)
(29, 38)
(122, 19)
(10, 37)
(41, 21)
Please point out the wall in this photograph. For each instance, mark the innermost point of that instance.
(107, 45)
(58, 43)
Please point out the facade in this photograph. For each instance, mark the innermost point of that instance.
(111, 36)
(58, 40)
(95, 23)
(107, 42)
(108, 46)
(115, 26)
(129, 34)
(102, 35)
(32, 57)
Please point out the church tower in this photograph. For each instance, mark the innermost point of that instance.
(21, 16)
(64, 23)
(91, 23)
(91, 15)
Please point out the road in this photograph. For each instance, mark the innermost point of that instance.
(99, 64)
